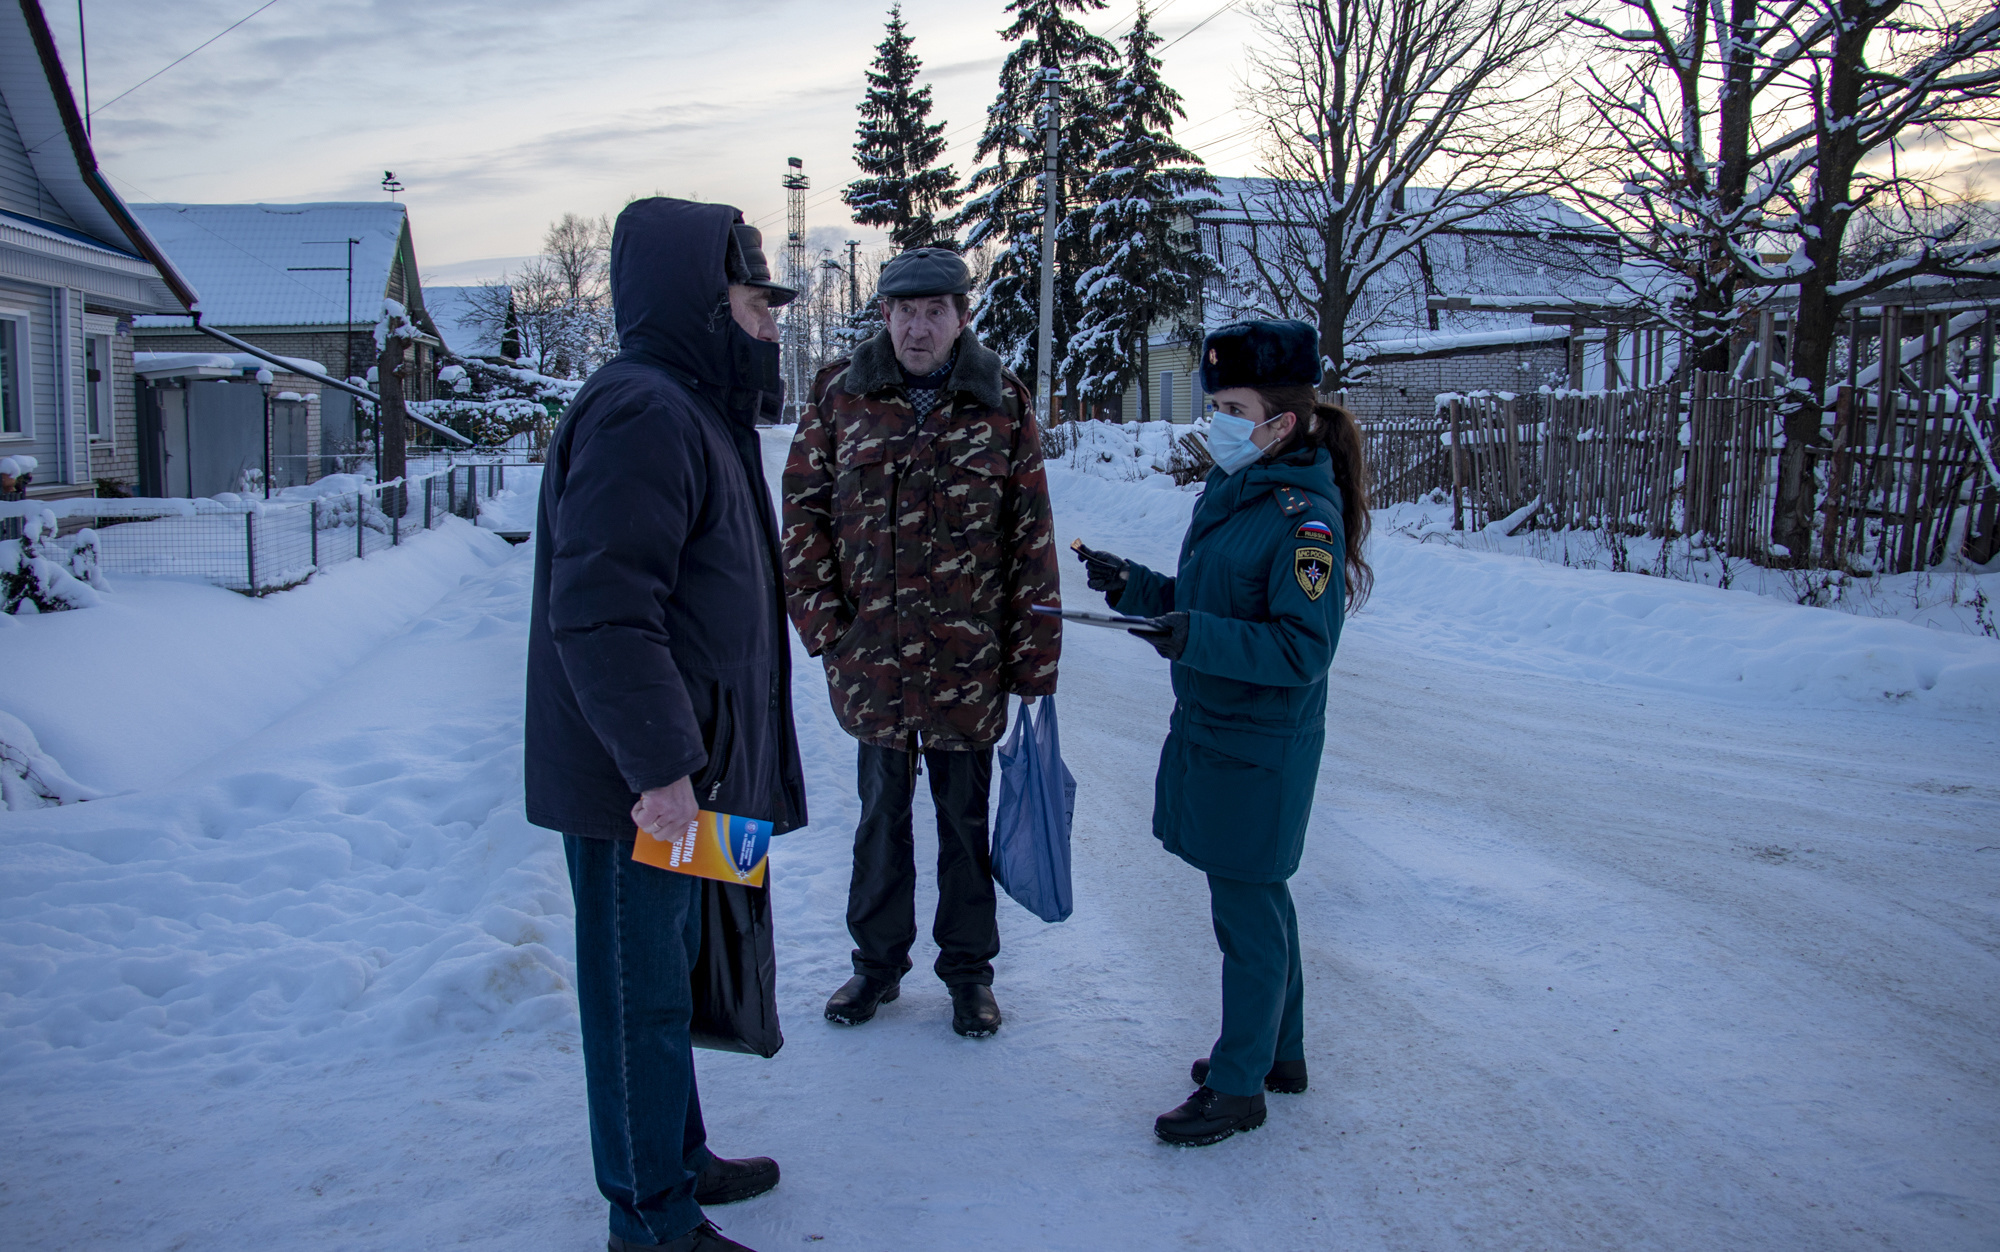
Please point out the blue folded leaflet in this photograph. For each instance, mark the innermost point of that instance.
(1037, 801)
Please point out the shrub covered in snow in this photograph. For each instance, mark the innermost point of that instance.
(1125, 451)
(38, 576)
(29, 778)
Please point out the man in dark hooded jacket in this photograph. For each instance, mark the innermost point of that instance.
(659, 682)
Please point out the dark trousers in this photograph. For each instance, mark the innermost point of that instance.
(638, 930)
(1263, 987)
(882, 897)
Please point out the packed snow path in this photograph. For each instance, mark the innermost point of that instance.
(1600, 953)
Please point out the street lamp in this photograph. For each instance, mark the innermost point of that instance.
(264, 380)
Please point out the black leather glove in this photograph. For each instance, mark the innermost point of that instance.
(1171, 641)
(1103, 571)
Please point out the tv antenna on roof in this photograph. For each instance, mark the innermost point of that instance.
(390, 184)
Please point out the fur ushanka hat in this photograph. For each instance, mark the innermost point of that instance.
(1260, 354)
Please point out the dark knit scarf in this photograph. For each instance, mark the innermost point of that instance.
(926, 391)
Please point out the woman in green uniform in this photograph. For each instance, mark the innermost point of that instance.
(1271, 561)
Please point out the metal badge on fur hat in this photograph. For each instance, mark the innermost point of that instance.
(746, 264)
(925, 272)
(1260, 354)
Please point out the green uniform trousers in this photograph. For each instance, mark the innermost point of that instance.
(1263, 988)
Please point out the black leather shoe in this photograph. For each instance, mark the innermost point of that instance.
(974, 1012)
(703, 1238)
(725, 1182)
(1285, 1078)
(1209, 1116)
(858, 998)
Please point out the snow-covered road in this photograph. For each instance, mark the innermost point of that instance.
(1631, 922)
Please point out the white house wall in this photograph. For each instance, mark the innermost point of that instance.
(39, 440)
(20, 190)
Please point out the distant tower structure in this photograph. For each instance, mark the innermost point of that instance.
(796, 277)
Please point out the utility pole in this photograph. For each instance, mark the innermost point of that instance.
(795, 277)
(1045, 366)
(853, 279)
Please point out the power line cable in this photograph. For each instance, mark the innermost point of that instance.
(182, 57)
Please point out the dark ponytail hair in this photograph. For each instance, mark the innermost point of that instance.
(1323, 425)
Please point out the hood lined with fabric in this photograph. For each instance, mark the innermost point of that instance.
(670, 295)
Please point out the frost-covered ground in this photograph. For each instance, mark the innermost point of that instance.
(1958, 596)
(1637, 914)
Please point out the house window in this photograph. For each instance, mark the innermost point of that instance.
(97, 386)
(11, 366)
(1166, 413)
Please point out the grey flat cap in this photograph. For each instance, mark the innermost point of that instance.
(746, 264)
(925, 272)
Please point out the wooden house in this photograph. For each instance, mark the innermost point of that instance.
(76, 269)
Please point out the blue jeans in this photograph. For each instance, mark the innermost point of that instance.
(638, 930)
(1263, 986)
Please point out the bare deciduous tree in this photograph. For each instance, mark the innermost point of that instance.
(1663, 155)
(1385, 122)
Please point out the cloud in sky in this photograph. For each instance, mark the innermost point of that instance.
(500, 115)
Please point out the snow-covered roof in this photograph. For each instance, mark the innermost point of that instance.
(162, 364)
(260, 264)
(63, 205)
(1441, 343)
(1260, 196)
(464, 331)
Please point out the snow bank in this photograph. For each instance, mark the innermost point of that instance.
(358, 880)
(1624, 628)
(166, 672)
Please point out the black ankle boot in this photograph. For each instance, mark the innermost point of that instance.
(858, 998)
(1285, 1078)
(1210, 1116)
(974, 1012)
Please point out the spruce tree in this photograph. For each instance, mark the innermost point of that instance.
(895, 145)
(1004, 206)
(1149, 264)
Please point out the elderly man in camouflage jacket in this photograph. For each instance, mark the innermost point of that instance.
(917, 533)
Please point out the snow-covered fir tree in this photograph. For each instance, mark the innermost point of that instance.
(1150, 267)
(1004, 208)
(897, 147)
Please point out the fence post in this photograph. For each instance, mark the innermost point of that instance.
(396, 521)
(430, 481)
(1457, 493)
(360, 528)
(315, 534)
(451, 489)
(250, 546)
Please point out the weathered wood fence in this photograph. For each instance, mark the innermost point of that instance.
(1904, 482)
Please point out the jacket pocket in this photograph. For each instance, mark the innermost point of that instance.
(975, 491)
(720, 735)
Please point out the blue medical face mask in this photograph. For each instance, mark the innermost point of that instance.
(1229, 444)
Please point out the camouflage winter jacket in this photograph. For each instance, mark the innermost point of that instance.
(914, 548)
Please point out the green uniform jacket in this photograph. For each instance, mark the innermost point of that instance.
(1262, 580)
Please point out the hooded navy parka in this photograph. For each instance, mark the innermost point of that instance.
(657, 646)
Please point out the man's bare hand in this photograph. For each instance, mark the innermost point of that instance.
(664, 812)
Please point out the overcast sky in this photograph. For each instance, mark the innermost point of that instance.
(499, 115)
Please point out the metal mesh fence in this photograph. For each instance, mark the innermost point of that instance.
(258, 546)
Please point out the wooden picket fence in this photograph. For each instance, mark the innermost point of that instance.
(1903, 489)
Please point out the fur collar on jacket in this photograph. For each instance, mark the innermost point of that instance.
(978, 373)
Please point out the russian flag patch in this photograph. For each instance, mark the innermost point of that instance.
(1315, 530)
